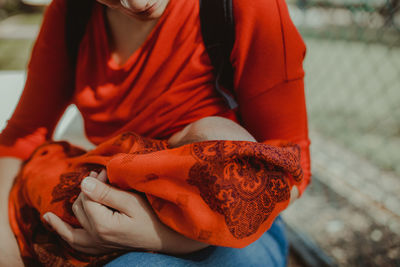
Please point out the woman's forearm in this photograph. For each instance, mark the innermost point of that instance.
(9, 251)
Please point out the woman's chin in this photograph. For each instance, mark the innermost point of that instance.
(155, 11)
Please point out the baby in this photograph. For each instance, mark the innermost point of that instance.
(208, 191)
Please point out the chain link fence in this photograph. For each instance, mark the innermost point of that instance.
(352, 209)
(353, 68)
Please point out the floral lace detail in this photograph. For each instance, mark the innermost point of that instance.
(141, 145)
(247, 183)
(242, 181)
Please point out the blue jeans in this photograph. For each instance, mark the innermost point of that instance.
(271, 249)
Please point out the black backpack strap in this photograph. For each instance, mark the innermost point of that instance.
(77, 17)
(218, 30)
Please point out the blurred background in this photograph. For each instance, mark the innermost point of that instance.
(350, 215)
(352, 209)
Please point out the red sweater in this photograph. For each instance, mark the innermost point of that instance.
(168, 82)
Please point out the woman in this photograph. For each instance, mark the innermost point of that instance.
(142, 67)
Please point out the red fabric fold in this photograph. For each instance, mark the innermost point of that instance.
(224, 193)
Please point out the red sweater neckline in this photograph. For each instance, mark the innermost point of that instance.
(100, 13)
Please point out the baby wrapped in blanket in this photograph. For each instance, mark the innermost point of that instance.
(225, 193)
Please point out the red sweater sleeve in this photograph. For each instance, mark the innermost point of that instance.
(267, 58)
(47, 92)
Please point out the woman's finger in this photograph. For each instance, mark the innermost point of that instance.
(80, 214)
(99, 215)
(102, 176)
(74, 237)
(93, 174)
(90, 250)
(109, 196)
(106, 224)
(294, 194)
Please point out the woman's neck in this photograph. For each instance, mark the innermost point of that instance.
(126, 34)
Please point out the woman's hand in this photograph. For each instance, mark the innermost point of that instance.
(129, 224)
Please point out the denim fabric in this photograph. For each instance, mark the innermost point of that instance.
(270, 250)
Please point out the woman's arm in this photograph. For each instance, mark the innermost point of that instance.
(47, 90)
(46, 94)
(268, 61)
(9, 251)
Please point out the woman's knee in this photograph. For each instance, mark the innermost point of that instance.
(271, 249)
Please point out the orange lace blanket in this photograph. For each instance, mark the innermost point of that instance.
(224, 193)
